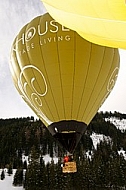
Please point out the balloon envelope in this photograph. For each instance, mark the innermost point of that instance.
(101, 22)
(62, 77)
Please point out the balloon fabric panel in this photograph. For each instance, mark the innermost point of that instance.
(60, 75)
(101, 22)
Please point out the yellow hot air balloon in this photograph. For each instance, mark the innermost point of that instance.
(62, 77)
(100, 21)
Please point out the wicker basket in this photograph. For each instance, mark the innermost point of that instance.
(69, 167)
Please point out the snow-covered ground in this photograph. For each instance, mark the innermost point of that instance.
(96, 138)
(46, 159)
(119, 123)
(6, 184)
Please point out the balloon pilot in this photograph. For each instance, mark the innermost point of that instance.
(68, 158)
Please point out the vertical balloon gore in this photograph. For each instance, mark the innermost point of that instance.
(62, 77)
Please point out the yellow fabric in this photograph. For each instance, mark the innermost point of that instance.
(100, 21)
(60, 75)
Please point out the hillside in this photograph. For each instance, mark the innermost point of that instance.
(100, 155)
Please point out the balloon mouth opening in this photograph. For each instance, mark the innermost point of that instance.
(68, 133)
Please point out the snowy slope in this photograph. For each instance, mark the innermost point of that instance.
(6, 184)
(120, 124)
(96, 138)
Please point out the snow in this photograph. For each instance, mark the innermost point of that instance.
(47, 159)
(25, 158)
(119, 123)
(6, 184)
(123, 153)
(96, 138)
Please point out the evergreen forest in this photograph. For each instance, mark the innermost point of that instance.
(100, 167)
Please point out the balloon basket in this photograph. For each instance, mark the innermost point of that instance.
(69, 167)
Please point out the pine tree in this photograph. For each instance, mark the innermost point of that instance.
(10, 171)
(51, 175)
(18, 177)
(59, 177)
(32, 181)
(2, 175)
(25, 164)
(43, 178)
(121, 171)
